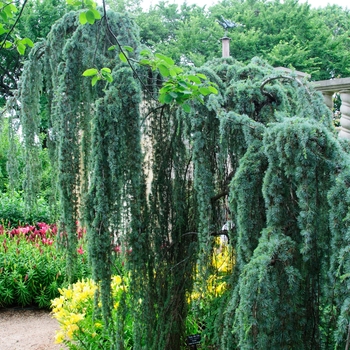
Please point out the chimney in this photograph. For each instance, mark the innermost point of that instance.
(225, 46)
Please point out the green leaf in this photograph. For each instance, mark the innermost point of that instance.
(186, 107)
(177, 69)
(172, 72)
(13, 8)
(202, 76)
(167, 98)
(28, 42)
(97, 15)
(90, 4)
(165, 58)
(194, 78)
(145, 62)
(2, 30)
(213, 90)
(105, 69)
(3, 16)
(90, 72)
(128, 48)
(90, 17)
(112, 47)
(108, 77)
(7, 44)
(145, 52)
(21, 48)
(123, 57)
(8, 11)
(82, 18)
(164, 71)
(184, 84)
(204, 91)
(94, 80)
(74, 2)
(165, 89)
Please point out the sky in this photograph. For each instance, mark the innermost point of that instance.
(313, 3)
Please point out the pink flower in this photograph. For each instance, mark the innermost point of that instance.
(117, 249)
(54, 229)
(80, 250)
(80, 233)
(14, 232)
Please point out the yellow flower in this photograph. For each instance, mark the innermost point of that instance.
(71, 329)
(67, 293)
(75, 318)
(59, 337)
(98, 325)
(220, 288)
(117, 280)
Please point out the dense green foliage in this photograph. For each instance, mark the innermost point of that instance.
(11, 161)
(35, 19)
(13, 211)
(31, 21)
(286, 33)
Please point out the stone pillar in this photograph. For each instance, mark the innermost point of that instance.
(225, 46)
(328, 99)
(345, 114)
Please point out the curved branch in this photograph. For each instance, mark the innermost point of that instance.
(151, 112)
(267, 80)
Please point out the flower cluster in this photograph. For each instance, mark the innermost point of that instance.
(31, 267)
(74, 311)
(222, 264)
(72, 306)
(204, 301)
(41, 232)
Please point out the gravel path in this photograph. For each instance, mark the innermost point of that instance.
(24, 329)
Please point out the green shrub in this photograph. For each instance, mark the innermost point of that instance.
(13, 211)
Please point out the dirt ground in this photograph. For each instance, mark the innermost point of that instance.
(27, 329)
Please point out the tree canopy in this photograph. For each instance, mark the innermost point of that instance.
(288, 33)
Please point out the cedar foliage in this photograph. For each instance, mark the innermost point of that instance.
(159, 179)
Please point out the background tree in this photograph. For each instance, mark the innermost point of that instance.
(288, 34)
(187, 33)
(36, 20)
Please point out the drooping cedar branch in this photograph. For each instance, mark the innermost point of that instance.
(153, 183)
